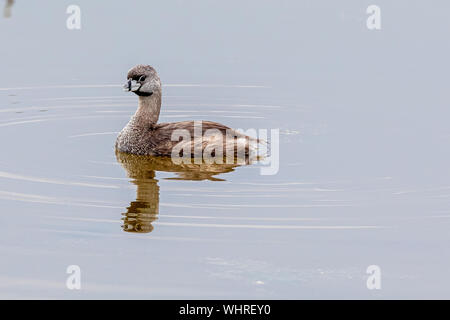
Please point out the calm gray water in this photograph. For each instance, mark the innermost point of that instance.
(363, 180)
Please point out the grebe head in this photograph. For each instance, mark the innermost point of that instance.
(143, 80)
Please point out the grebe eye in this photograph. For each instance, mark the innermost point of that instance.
(142, 78)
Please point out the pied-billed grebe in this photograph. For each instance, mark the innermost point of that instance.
(144, 136)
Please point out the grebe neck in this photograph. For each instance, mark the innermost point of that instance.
(148, 110)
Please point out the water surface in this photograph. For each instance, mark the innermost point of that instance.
(363, 176)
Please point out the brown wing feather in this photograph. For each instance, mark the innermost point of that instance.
(162, 132)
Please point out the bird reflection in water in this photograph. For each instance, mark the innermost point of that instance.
(7, 9)
(141, 170)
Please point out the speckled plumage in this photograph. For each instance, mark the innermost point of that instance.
(144, 136)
